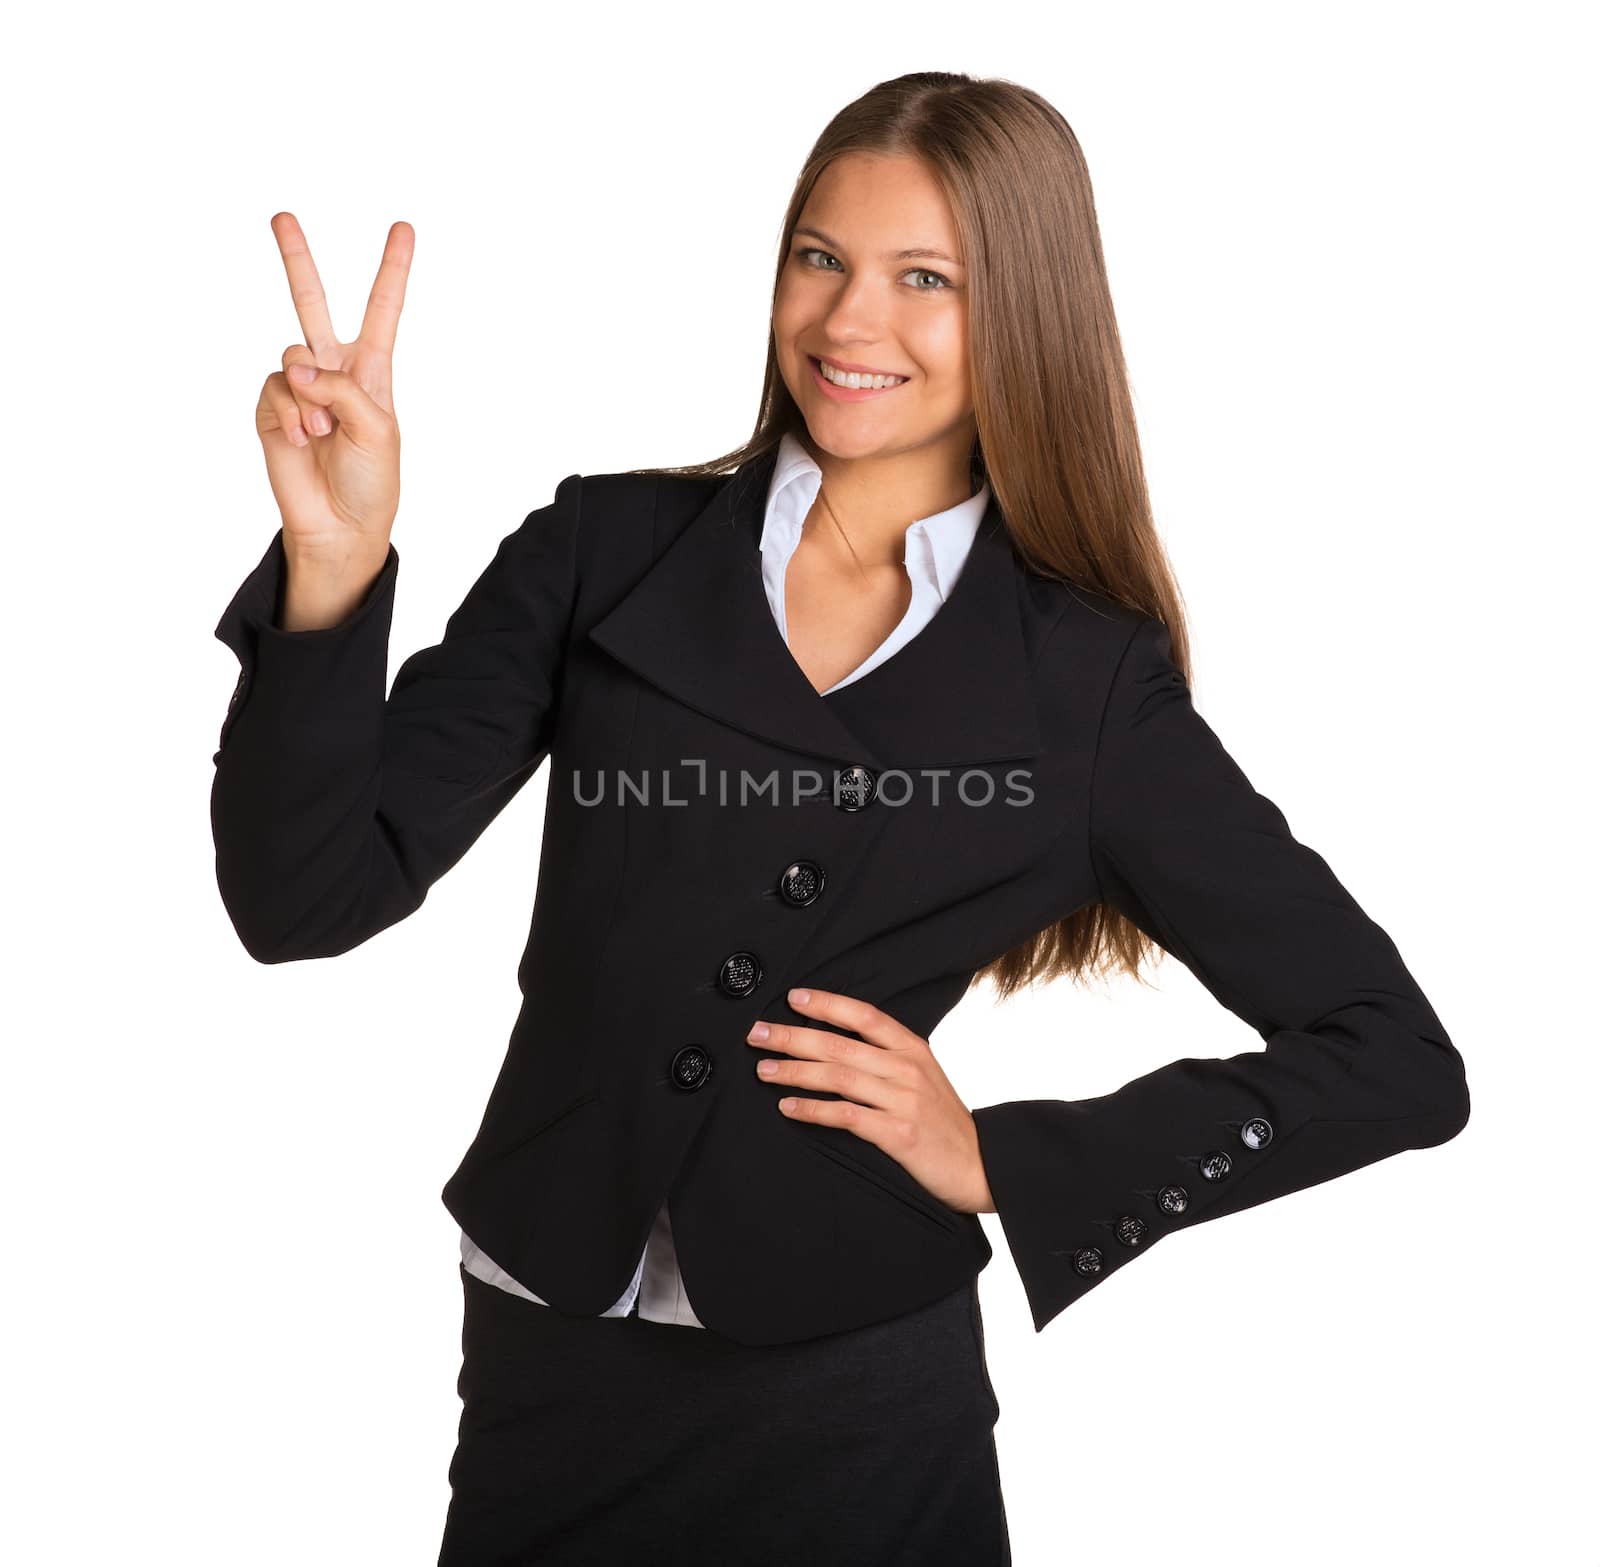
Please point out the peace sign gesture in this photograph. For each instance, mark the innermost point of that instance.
(326, 419)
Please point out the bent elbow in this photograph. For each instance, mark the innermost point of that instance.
(1449, 1098)
(264, 948)
(1455, 1107)
(268, 941)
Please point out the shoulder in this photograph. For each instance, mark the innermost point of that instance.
(616, 495)
(1070, 623)
(620, 524)
(634, 496)
(614, 508)
(1095, 660)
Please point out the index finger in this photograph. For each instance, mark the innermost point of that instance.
(382, 320)
(305, 288)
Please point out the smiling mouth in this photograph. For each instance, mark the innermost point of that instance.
(842, 383)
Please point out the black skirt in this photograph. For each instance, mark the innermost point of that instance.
(601, 1440)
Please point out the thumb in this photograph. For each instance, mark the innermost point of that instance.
(363, 420)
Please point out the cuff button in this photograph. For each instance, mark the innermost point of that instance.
(1256, 1132)
(1130, 1230)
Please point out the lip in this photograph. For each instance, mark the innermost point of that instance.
(844, 394)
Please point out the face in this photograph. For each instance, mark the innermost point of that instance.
(846, 294)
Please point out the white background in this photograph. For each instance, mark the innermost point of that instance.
(1352, 258)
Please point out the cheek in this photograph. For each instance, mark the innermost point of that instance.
(788, 315)
(787, 327)
(940, 348)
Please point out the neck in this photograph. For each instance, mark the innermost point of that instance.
(875, 499)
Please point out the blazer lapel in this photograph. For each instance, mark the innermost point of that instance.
(697, 625)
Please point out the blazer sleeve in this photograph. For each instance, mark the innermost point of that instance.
(1356, 1065)
(334, 809)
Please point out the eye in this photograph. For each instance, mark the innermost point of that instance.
(943, 282)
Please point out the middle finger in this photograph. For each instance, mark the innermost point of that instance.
(823, 1044)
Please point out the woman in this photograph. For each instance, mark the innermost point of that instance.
(945, 578)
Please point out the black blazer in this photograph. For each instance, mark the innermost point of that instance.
(623, 631)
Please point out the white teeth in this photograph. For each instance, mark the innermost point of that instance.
(855, 381)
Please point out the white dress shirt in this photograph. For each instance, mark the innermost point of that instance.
(936, 550)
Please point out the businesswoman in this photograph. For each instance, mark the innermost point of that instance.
(719, 1233)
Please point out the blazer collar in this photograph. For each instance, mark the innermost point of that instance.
(698, 626)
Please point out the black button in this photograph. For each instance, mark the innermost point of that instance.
(691, 1066)
(238, 691)
(802, 883)
(1215, 1165)
(1256, 1132)
(854, 788)
(1172, 1199)
(1130, 1231)
(740, 973)
(1087, 1260)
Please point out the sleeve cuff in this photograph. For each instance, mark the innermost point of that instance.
(334, 673)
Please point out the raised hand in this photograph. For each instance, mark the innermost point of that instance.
(332, 442)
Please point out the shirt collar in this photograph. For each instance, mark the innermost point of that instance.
(943, 540)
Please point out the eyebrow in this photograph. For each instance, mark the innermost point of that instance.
(917, 252)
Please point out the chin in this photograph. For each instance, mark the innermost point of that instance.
(848, 445)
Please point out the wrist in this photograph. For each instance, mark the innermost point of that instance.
(319, 593)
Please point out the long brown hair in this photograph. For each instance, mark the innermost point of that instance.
(1057, 439)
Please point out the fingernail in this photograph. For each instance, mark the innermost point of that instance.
(321, 420)
(759, 1031)
(802, 996)
(302, 373)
